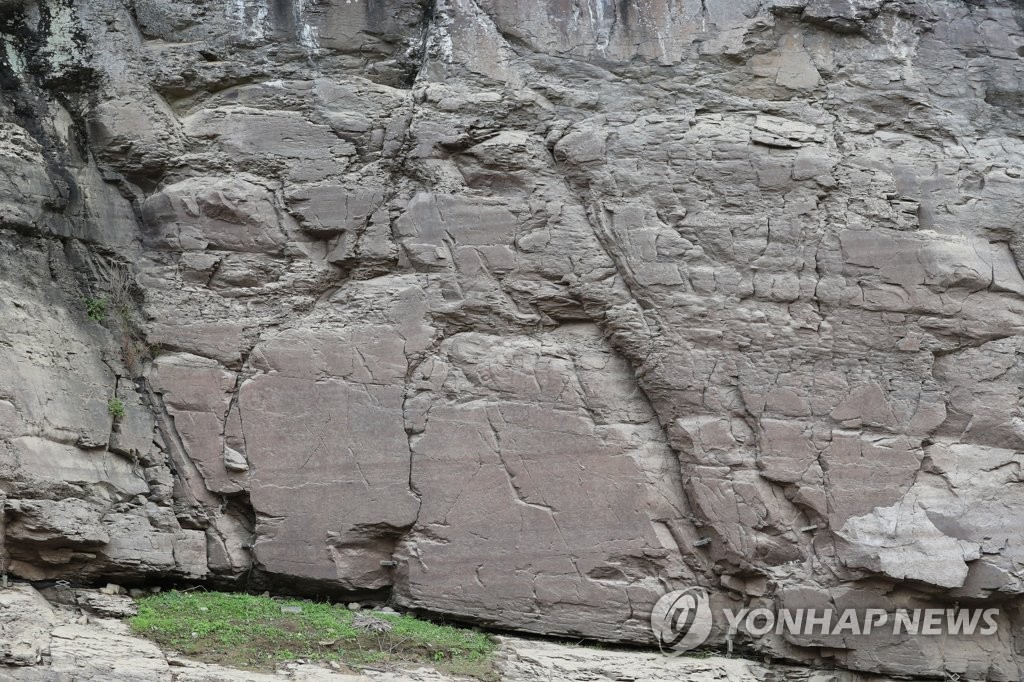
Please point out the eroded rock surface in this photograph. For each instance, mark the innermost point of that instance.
(522, 312)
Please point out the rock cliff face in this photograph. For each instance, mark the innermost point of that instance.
(523, 312)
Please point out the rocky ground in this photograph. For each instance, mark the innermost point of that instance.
(522, 313)
(85, 642)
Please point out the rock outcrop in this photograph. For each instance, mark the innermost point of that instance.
(523, 313)
(46, 642)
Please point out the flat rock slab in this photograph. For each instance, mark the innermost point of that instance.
(108, 605)
(25, 623)
(538, 660)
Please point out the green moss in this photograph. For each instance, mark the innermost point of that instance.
(251, 632)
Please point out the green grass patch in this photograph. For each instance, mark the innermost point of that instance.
(250, 632)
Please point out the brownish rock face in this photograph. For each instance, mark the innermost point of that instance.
(523, 313)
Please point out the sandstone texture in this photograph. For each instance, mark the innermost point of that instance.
(522, 313)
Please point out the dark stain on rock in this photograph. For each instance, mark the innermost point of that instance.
(282, 17)
(376, 15)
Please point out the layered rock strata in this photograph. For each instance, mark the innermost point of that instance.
(522, 313)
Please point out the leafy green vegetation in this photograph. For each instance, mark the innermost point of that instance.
(96, 309)
(117, 310)
(256, 633)
(116, 407)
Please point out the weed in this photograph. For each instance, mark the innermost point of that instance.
(133, 351)
(119, 305)
(96, 309)
(119, 287)
(115, 407)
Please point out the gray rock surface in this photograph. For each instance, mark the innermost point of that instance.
(531, 660)
(522, 312)
(56, 644)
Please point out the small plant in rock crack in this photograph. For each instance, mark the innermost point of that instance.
(119, 305)
(96, 309)
(134, 351)
(119, 287)
(115, 406)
